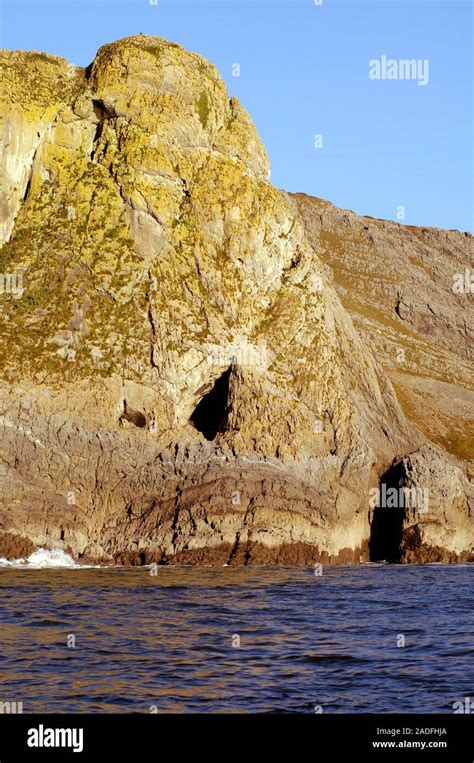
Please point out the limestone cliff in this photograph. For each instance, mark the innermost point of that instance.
(180, 380)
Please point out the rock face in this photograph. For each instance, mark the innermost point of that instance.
(181, 382)
(409, 292)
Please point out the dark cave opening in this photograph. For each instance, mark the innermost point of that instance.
(386, 530)
(27, 189)
(209, 415)
(132, 416)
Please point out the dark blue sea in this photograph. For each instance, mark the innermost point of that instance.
(369, 638)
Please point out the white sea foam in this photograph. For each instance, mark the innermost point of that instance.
(42, 558)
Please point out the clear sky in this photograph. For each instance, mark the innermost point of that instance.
(304, 71)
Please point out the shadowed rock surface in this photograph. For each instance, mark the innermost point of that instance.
(181, 381)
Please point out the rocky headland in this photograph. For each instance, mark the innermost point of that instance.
(199, 368)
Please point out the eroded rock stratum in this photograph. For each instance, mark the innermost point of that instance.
(181, 381)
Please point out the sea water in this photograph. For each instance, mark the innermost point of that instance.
(367, 638)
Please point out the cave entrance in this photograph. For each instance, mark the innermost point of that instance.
(386, 530)
(210, 413)
(132, 416)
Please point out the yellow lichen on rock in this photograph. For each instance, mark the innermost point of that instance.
(178, 340)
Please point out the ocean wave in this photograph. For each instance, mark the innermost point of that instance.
(42, 558)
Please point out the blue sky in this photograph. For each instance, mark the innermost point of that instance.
(304, 71)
